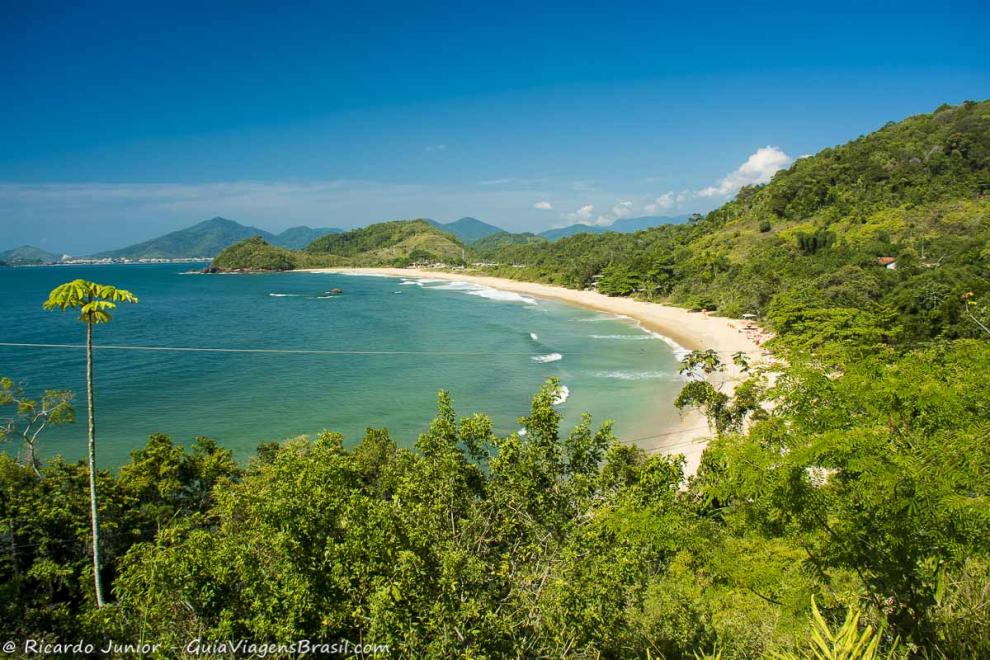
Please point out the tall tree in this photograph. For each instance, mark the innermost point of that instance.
(94, 302)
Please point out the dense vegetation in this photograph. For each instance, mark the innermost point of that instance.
(853, 480)
(397, 242)
(490, 245)
(255, 254)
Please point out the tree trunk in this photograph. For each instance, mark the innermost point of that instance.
(93, 511)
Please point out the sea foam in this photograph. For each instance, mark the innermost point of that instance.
(361, 274)
(485, 292)
(562, 396)
(634, 375)
(604, 316)
(550, 357)
(679, 351)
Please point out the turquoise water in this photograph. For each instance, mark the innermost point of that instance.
(490, 349)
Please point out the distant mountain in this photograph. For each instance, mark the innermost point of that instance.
(206, 239)
(468, 230)
(622, 226)
(28, 255)
(210, 237)
(296, 238)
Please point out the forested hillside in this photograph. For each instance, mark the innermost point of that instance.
(253, 254)
(391, 243)
(396, 243)
(489, 245)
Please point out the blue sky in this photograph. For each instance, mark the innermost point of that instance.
(120, 121)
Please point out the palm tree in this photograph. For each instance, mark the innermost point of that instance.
(94, 302)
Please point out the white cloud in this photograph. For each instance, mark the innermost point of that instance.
(622, 209)
(758, 168)
(582, 215)
(664, 202)
(543, 206)
(619, 210)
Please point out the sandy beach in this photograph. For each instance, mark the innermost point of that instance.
(692, 330)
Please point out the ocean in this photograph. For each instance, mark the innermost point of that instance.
(298, 360)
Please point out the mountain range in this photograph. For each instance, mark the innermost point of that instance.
(210, 237)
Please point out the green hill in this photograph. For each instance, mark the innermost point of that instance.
(254, 253)
(395, 243)
(28, 255)
(467, 230)
(206, 239)
(803, 251)
(398, 242)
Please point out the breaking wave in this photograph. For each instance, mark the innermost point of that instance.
(485, 292)
(634, 375)
(604, 316)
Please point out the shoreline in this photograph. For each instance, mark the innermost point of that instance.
(691, 330)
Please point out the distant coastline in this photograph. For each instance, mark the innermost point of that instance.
(113, 262)
(690, 330)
